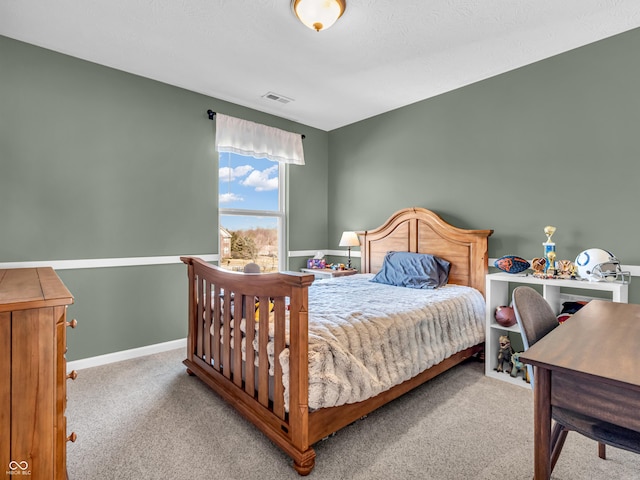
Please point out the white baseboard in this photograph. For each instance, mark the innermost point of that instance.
(126, 354)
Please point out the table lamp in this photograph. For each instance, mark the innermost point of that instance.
(349, 239)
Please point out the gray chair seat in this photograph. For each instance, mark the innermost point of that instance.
(598, 430)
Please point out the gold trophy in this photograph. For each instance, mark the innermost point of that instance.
(551, 262)
(549, 231)
(549, 251)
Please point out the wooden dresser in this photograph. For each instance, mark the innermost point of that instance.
(33, 437)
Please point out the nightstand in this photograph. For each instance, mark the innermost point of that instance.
(328, 272)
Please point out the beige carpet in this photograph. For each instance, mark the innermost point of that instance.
(147, 419)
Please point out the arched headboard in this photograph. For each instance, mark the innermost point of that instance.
(421, 231)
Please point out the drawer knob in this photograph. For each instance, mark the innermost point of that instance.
(72, 375)
(72, 437)
(72, 323)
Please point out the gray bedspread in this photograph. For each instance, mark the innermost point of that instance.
(366, 337)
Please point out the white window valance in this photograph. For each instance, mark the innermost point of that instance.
(260, 141)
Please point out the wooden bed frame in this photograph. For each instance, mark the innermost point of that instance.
(250, 389)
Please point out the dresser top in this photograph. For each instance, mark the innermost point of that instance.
(26, 288)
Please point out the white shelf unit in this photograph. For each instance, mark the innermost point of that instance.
(498, 293)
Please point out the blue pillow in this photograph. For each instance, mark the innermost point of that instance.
(413, 270)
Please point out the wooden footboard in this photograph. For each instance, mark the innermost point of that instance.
(218, 300)
(272, 306)
(215, 354)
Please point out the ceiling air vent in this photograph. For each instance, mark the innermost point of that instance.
(277, 97)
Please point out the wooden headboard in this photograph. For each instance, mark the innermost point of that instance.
(421, 231)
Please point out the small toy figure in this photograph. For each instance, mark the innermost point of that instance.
(538, 265)
(565, 268)
(517, 366)
(504, 354)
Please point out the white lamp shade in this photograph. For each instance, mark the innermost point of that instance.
(318, 14)
(349, 239)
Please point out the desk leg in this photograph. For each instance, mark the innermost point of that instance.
(542, 423)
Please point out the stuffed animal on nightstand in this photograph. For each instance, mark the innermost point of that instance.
(504, 354)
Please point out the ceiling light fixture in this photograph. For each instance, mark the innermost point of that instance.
(318, 14)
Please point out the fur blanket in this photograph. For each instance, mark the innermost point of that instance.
(366, 337)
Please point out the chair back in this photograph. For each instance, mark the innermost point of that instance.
(251, 268)
(533, 314)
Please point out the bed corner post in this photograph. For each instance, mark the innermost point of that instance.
(192, 303)
(303, 456)
(364, 252)
(481, 258)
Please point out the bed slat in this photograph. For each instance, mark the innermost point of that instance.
(237, 339)
(250, 368)
(207, 320)
(200, 343)
(279, 345)
(263, 358)
(215, 338)
(226, 337)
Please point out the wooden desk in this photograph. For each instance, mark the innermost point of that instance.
(588, 365)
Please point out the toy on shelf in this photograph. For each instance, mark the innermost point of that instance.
(505, 316)
(597, 265)
(566, 269)
(511, 264)
(517, 366)
(539, 266)
(504, 354)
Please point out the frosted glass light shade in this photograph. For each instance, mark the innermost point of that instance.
(318, 14)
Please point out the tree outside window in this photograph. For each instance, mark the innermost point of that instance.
(251, 212)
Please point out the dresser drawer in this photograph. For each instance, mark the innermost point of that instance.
(33, 303)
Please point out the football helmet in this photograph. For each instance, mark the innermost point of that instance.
(597, 265)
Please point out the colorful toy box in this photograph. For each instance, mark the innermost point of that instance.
(316, 263)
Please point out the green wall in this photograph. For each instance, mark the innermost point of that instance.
(97, 163)
(553, 143)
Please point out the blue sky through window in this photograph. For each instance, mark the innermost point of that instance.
(247, 183)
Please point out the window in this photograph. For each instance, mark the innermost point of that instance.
(251, 213)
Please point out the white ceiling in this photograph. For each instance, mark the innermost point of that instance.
(381, 55)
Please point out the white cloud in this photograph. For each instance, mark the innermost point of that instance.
(230, 197)
(231, 174)
(260, 179)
